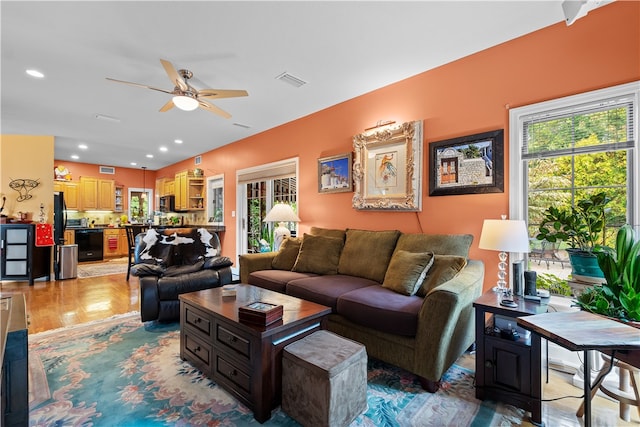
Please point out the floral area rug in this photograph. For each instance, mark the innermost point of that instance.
(121, 372)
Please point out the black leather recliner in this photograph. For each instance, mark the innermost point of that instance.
(173, 261)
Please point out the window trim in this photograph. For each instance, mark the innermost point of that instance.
(517, 183)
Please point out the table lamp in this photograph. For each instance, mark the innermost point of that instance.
(504, 235)
(281, 213)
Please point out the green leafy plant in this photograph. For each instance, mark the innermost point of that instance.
(619, 297)
(582, 226)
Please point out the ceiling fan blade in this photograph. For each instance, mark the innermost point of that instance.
(221, 93)
(168, 106)
(173, 75)
(137, 84)
(216, 110)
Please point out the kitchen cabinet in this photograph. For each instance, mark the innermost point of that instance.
(114, 243)
(20, 258)
(97, 194)
(196, 188)
(119, 198)
(69, 237)
(181, 191)
(169, 187)
(70, 190)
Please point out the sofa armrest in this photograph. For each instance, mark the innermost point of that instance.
(149, 298)
(446, 321)
(254, 262)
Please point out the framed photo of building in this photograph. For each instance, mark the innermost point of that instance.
(387, 169)
(471, 164)
(334, 174)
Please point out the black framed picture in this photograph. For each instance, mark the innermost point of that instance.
(334, 174)
(472, 164)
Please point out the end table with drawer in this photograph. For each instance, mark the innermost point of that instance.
(506, 370)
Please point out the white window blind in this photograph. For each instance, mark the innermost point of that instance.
(603, 125)
(286, 169)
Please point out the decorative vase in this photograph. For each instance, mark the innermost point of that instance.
(584, 266)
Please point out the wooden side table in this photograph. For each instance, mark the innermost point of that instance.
(583, 331)
(506, 370)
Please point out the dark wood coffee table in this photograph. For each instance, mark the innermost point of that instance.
(244, 359)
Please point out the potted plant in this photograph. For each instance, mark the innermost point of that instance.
(583, 228)
(619, 297)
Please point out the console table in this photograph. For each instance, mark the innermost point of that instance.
(583, 331)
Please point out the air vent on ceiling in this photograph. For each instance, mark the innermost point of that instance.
(109, 170)
(240, 125)
(198, 160)
(292, 80)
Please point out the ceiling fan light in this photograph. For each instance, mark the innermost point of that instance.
(185, 103)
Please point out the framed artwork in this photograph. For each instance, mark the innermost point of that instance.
(471, 164)
(334, 174)
(387, 169)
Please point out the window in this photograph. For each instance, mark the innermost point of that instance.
(259, 189)
(569, 148)
(215, 200)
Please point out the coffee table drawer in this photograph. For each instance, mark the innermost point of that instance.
(229, 339)
(233, 374)
(198, 320)
(198, 352)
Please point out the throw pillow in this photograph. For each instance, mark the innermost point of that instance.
(328, 232)
(318, 254)
(439, 244)
(367, 253)
(407, 271)
(444, 268)
(286, 257)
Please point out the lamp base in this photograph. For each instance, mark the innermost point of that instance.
(279, 233)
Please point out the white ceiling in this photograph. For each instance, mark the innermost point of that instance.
(342, 49)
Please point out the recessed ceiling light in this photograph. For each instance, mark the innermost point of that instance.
(150, 156)
(133, 163)
(82, 146)
(75, 156)
(35, 73)
(177, 141)
(164, 149)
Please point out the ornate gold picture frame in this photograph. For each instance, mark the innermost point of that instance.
(387, 169)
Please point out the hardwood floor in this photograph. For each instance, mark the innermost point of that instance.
(56, 304)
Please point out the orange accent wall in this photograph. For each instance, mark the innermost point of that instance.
(464, 97)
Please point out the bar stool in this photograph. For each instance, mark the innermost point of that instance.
(626, 392)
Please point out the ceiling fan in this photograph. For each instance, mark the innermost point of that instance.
(185, 96)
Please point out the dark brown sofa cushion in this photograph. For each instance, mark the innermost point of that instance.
(381, 309)
(367, 253)
(319, 255)
(287, 255)
(326, 290)
(444, 268)
(275, 280)
(439, 244)
(407, 271)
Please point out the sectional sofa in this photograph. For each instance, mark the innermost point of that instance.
(406, 297)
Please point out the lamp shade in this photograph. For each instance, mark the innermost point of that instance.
(185, 103)
(281, 212)
(505, 235)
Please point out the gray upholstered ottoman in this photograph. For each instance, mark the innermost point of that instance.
(324, 380)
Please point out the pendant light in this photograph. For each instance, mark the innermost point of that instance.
(144, 187)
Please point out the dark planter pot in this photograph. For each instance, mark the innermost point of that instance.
(584, 266)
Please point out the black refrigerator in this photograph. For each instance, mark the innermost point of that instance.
(59, 224)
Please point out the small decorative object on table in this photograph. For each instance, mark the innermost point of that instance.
(260, 313)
